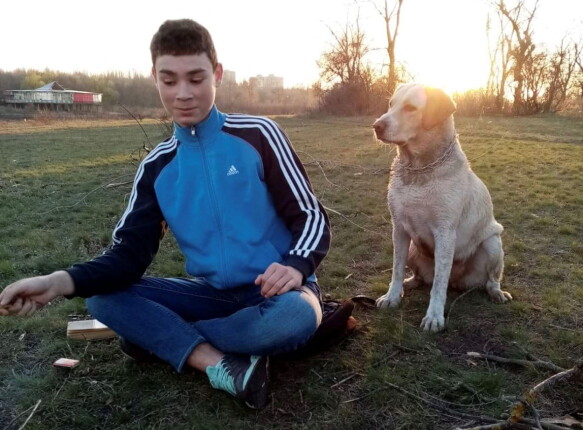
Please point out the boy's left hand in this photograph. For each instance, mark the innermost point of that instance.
(278, 279)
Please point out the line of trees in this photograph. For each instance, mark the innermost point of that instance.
(539, 80)
(138, 93)
(525, 77)
(130, 89)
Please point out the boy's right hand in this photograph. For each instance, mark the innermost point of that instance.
(24, 297)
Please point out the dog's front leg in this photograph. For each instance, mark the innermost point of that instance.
(444, 250)
(401, 242)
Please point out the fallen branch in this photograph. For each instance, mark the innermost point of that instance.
(518, 409)
(526, 363)
(442, 407)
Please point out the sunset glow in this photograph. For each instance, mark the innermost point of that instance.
(442, 43)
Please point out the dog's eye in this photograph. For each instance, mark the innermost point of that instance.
(409, 108)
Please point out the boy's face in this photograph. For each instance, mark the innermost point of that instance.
(187, 86)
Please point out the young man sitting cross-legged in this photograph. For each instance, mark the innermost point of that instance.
(238, 201)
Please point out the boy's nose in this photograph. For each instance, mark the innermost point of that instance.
(184, 92)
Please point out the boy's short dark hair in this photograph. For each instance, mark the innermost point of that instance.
(182, 37)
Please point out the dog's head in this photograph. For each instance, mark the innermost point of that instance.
(413, 110)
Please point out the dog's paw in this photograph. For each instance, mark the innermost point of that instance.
(500, 296)
(387, 301)
(433, 323)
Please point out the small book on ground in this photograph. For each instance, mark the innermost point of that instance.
(66, 362)
(88, 329)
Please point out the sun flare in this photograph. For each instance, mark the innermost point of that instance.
(446, 48)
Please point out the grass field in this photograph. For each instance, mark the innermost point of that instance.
(64, 185)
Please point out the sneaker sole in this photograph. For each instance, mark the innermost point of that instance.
(257, 393)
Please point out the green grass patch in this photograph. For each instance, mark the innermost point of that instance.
(63, 186)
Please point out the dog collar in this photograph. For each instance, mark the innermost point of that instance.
(434, 163)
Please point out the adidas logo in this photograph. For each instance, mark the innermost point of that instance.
(232, 171)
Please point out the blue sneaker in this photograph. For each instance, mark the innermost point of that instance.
(245, 377)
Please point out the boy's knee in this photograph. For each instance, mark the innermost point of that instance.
(95, 304)
(104, 304)
(302, 316)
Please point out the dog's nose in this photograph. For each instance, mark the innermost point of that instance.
(379, 128)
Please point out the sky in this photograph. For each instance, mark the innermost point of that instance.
(441, 42)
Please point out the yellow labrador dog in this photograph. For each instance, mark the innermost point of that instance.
(443, 222)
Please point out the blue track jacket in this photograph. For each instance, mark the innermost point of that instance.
(236, 197)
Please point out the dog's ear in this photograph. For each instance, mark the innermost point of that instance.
(439, 106)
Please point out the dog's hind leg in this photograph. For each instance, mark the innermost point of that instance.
(494, 268)
(421, 266)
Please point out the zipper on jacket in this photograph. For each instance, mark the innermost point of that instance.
(192, 131)
(226, 277)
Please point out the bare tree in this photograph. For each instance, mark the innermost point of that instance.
(560, 71)
(344, 61)
(577, 53)
(522, 46)
(500, 62)
(392, 20)
(346, 78)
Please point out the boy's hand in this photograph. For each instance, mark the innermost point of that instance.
(24, 297)
(279, 279)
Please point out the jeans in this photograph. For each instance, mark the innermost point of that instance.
(171, 316)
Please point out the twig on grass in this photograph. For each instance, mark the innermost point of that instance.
(370, 393)
(456, 299)
(436, 405)
(145, 147)
(61, 387)
(525, 363)
(443, 408)
(348, 378)
(86, 195)
(18, 416)
(319, 164)
(544, 425)
(498, 425)
(353, 223)
(118, 184)
(317, 374)
(536, 416)
(526, 402)
(563, 328)
(31, 414)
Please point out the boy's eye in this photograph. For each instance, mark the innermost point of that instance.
(196, 81)
(168, 82)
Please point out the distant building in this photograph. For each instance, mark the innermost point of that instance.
(267, 82)
(229, 77)
(54, 97)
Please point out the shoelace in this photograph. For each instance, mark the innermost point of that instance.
(225, 380)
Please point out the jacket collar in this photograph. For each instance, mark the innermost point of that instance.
(207, 127)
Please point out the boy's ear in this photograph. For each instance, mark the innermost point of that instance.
(218, 74)
(154, 76)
